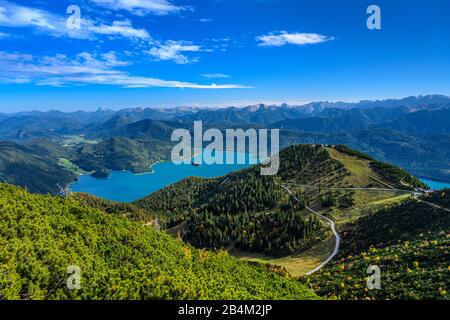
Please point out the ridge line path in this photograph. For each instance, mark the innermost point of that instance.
(365, 189)
(333, 224)
(333, 229)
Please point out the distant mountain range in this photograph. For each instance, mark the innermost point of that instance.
(413, 133)
(262, 114)
(244, 213)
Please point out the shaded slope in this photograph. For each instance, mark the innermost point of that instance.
(36, 169)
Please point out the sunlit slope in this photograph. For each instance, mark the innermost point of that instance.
(408, 241)
(252, 213)
(40, 236)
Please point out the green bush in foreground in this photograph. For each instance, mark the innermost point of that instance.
(40, 236)
(416, 270)
(410, 244)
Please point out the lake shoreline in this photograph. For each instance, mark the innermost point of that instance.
(126, 186)
(435, 185)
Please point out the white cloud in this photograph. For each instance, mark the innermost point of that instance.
(215, 76)
(83, 69)
(15, 56)
(278, 39)
(111, 60)
(142, 7)
(128, 81)
(172, 50)
(122, 28)
(12, 15)
(15, 15)
(4, 35)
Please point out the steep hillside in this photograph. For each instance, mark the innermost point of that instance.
(121, 154)
(174, 203)
(427, 157)
(338, 120)
(126, 126)
(127, 210)
(34, 167)
(251, 212)
(408, 241)
(422, 122)
(41, 236)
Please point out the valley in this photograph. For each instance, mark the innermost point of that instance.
(335, 207)
(224, 158)
(344, 195)
(135, 139)
(268, 233)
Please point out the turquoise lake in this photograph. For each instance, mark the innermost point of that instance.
(124, 186)
(434, 185)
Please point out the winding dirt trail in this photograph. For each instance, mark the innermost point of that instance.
(333, 229)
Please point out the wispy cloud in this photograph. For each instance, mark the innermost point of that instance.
(121, 28)
(143, 7)
(83, 69)
(215, 76)
(173, 51)
(282, 38)
(4, 35)
(13, 15)
(16, 15)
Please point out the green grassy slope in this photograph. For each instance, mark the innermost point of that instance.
(408, 241)
(40, 236)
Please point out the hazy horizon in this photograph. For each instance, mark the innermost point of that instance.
(209, 53)
(215, 106)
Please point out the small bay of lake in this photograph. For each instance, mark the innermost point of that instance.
(124, 186)
(435, 185)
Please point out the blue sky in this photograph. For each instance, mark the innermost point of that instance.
(153, 53)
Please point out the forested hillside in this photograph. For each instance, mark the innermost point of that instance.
(175, 203)
(32, 167)
(127, 210)
(411, 133)
(250, 212)
(121, 154)
(41, 236)
(408, 241)
(423, 156)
